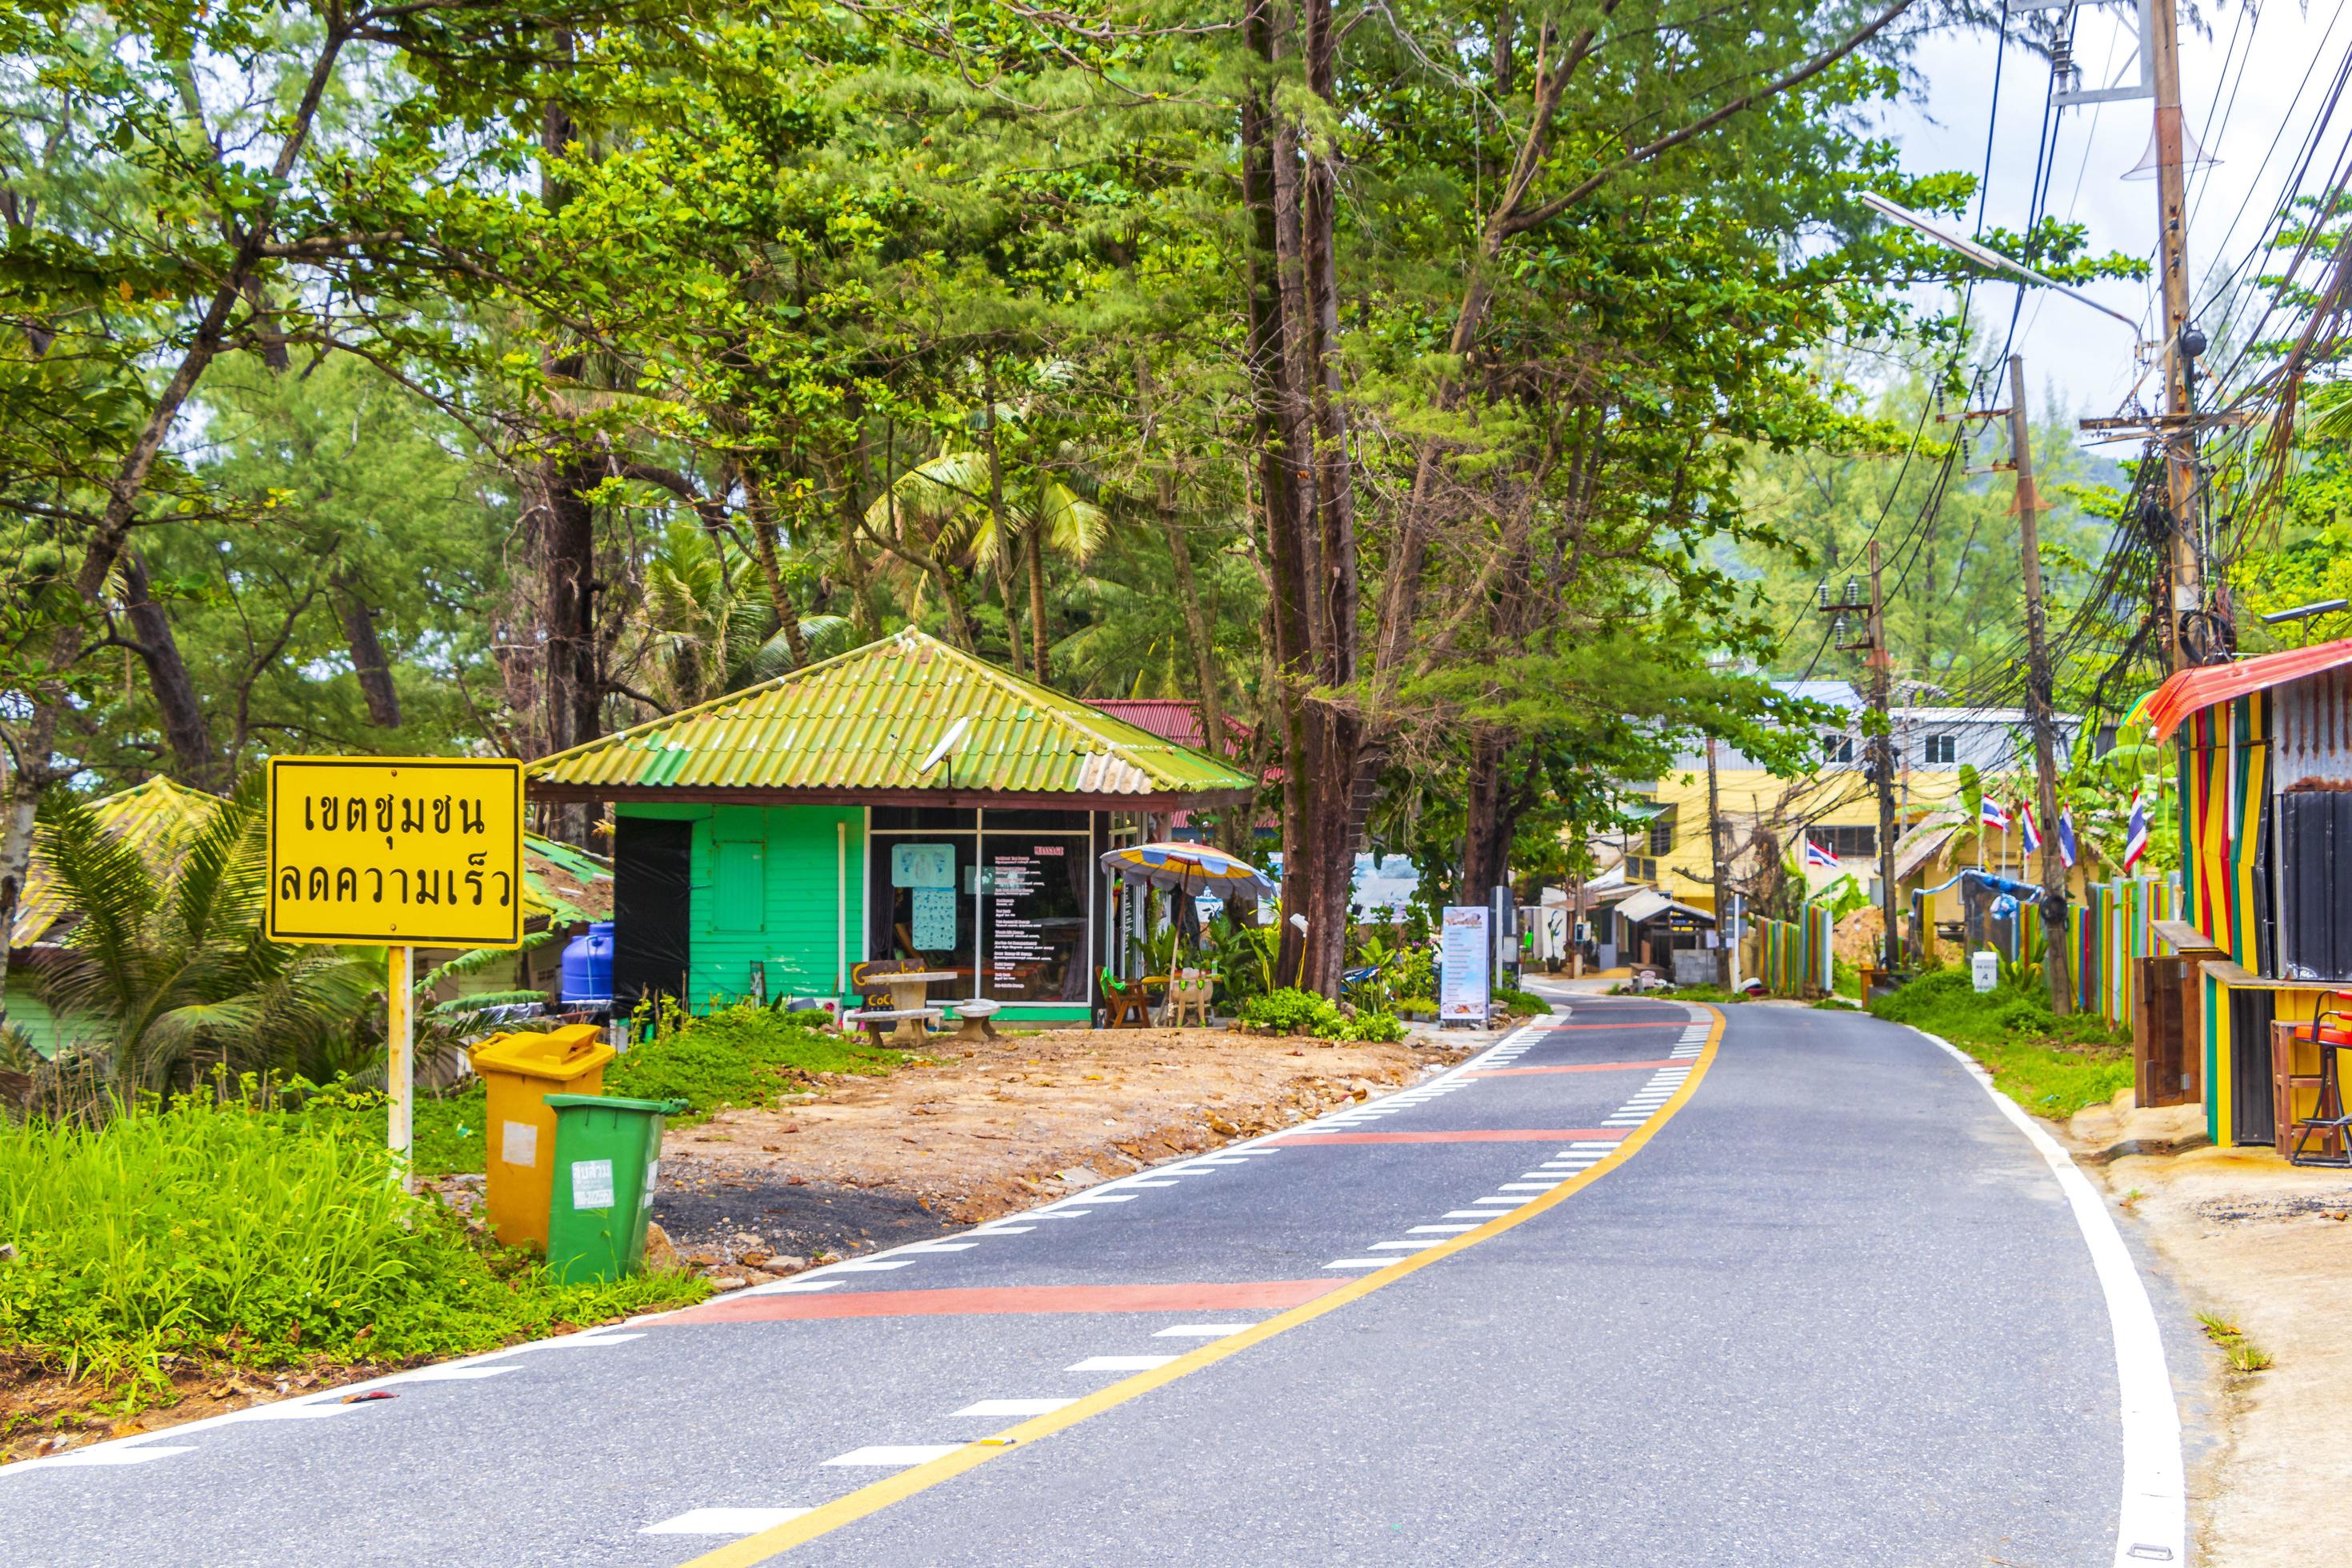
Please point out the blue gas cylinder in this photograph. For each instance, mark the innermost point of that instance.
(588, 968)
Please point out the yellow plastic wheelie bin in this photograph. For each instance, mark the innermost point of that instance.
(519, 1071)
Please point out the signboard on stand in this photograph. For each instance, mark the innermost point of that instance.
(401, 853)
(1465, 992)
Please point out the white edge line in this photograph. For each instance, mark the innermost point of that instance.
(2154, 1510)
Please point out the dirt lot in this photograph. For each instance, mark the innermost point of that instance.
(2268, 1247)
(990, 1129)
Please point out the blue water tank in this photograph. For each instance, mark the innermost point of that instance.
(588, 968)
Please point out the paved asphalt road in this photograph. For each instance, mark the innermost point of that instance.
(1802, 1296)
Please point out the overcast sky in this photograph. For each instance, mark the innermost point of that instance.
(2249, 90)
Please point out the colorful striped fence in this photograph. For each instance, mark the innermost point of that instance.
(1793, 957)
(2109, 929)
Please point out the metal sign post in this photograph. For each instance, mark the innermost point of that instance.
(400, 852)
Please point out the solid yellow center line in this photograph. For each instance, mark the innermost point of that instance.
(856, 1505)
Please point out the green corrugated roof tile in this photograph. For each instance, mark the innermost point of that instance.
(864, 719)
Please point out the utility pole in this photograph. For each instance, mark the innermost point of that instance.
(1723, 964)
(1882, 748)
(2179, 347)
(1879, 755)
(2039, 697)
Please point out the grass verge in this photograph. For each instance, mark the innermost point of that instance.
(232, 1235)
(2052, 1066)
(740, 1055)
(2243, 1353)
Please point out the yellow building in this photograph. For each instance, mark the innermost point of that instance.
(1835, 804)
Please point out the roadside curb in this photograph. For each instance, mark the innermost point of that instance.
(2152, 1523)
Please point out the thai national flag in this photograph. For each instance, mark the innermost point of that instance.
(1991, 815)
(2136, 837)
(2025, 826)
(2066, 837)
(1818, 858)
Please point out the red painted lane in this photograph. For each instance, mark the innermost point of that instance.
(1241, 1295)
(1478, 1135)
(1580, 1067)
(1633, 1024)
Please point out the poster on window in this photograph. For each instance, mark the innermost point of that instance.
(923, 865)
(932, 922)
(1465, 993)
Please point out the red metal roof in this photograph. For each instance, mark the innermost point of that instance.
(1176, 719)
(2193, 690)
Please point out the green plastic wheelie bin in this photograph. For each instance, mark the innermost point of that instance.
(607, 1154)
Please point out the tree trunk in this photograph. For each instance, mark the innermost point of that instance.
(368, 660)
(853, 559)
(762, 513)
(1485, 844)
(1004, 539)
(1310, 506)
(567, 552)
(27, 777)
(1041, 656)
(181, 711)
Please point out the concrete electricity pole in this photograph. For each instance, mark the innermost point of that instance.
(1882, 750)
(1723, 964)
(2039, 697)
(1879, 754)
(2181, 344)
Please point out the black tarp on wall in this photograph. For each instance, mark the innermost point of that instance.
(2316, 835)
(2252, 1117)
(653, 891)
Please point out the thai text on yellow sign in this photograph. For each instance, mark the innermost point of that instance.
(406, 851)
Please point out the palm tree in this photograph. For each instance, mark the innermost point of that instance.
(169, 965)
(954, 514)
(716, 632)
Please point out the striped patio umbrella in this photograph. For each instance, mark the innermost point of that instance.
(1190, 868)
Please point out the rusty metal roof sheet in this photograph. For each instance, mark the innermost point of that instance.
(867, 720)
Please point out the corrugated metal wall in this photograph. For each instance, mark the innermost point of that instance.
(2314, 730)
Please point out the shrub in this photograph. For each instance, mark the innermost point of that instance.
(1366, 1026)
(745, 1055)
(1420, 1001)
(2051, 1065)
(1287, 1010)
(1512, 999)
(261, 1236)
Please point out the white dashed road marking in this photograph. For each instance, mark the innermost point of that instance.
(723, 1522)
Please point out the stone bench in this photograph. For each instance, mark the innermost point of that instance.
(975, 1019)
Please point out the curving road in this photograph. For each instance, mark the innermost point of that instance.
(1645, 1284)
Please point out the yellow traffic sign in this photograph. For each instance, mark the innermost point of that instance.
(403, 851)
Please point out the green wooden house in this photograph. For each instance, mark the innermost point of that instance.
(903, 800)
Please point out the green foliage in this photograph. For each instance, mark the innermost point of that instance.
(1525, 1003)
(1243, 959)
(446, 1131)
(257, 1235)
(1287, 1010)
(1373, 1027)
(745, 1054)
(166, 967)
(2050, 1064)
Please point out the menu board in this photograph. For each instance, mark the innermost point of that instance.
(1464, 989)
(1016, 942)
